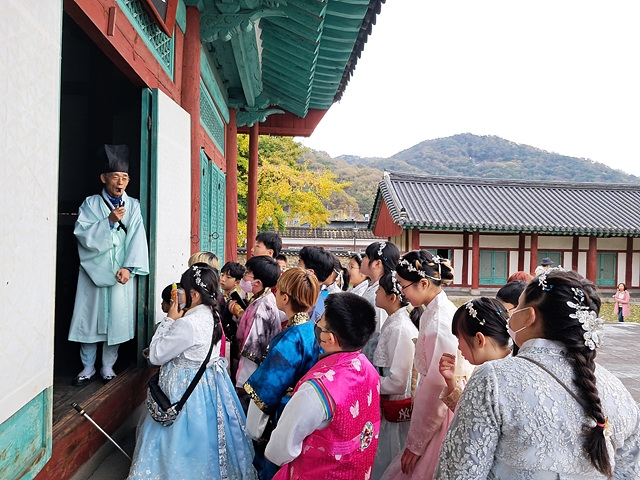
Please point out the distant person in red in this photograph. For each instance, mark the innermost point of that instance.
(622, 308)
(520, 275)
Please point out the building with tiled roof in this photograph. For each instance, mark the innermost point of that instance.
(491, 228)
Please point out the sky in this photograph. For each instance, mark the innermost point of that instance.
(560, 75)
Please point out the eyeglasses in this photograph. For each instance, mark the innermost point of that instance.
(321, 329)
(117, 177)
(353, 267)
(248, 276)
(402, 288)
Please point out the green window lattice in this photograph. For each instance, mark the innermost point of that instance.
(210, 118)
(158, 42)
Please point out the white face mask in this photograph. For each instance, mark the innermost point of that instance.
(246, 286)
(513, 333)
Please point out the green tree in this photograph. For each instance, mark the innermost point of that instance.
(287, 189)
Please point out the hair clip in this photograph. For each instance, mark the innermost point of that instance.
(381, 248)
(197, 278)
(410, 268)
(473, 313)
(437, 260)
(395, 286)
(591, 323)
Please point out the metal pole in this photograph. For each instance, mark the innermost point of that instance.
(81, 411)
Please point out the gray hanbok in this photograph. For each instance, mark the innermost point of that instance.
(515, 421)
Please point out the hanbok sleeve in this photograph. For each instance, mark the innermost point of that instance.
(257, 421)
(468, 449)
(428, 410)
(403, 349)
(627, 455)
(277, 372)
(170, 340)
(305, 413)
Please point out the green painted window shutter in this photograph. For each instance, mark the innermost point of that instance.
(493, 267)
(212, 207)
(606, 276)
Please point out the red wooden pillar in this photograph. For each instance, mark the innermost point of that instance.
(231, 195)
(574, 253)
(592, 262)
(475, 262)
(521, 252)
(465, 259)
(415, 239)
(628, 269)
(533, 261)
(252, 194)
(191, 103)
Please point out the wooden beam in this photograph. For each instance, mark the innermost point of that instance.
(191, 103)
(231, 197)
(628, 270)
(533, 261)
(592, 259)
(252, 194)
(475, 262)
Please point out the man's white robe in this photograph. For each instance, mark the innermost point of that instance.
(104, 309)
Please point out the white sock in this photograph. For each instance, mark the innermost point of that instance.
(87, 371)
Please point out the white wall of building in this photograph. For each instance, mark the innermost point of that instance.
(29, 136)
(173, 223)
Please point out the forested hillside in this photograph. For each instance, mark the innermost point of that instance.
(465, 155)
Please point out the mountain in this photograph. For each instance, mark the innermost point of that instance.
(464, 155)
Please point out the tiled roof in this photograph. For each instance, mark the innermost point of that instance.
(327, 233)
(514, 206)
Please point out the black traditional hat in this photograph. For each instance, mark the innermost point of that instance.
(115, 158)
(546, 261)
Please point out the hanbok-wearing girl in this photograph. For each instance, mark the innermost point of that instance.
(359, 281)
(394, 360)
(550, 412)
(480, 325)
(208, 439)
(421, 275)
(379, 259)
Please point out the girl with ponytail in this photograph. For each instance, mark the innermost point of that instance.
(551, 411)
(211, 425)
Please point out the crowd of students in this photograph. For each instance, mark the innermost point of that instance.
(367, 372)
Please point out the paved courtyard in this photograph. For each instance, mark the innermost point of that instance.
(621, 354)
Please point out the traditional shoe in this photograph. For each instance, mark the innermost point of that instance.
(83, 378)
(107, 374)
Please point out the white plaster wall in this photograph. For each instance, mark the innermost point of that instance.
(29, 140)
(582, 263)
(622, 264)
(567, 260)
(499, 241)
(555, 243)
(458, 256)
(636, 243)
(527, 241)
(470, 269)
(635, 271)
(616, 243)
(583, 243)
(443, 240)
(173, 224)
(513, 262)
(527, 261)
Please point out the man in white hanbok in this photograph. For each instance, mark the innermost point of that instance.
(112, 245)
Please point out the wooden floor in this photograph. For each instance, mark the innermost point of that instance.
(64, 394)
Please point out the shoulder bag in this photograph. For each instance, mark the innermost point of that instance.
(160, 407)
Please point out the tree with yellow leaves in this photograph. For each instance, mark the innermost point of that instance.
(287, 189)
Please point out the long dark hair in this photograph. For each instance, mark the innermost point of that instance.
(490, 319)
(419, 264)
(203, 278)
(549, 297)
(386, 252)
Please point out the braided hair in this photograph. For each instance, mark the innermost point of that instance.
(419, 264)
(204, 279)
(550, 296)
